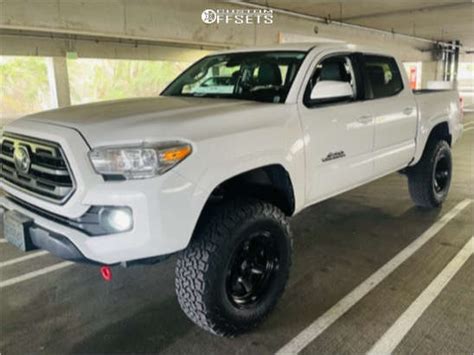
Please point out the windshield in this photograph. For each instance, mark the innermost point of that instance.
(258, 76)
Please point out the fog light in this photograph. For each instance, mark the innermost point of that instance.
(117, 219)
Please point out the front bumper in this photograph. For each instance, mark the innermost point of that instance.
(165, 209)
(55, 243)
(157, 226)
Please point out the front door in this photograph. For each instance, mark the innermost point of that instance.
(339, 132)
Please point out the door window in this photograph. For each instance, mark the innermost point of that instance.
(337, 70)
(383, 76)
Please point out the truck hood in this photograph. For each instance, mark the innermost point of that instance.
(155, 118)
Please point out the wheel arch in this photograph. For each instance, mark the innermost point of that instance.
(271, 183)
(439, 131)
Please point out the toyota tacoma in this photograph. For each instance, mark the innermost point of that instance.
(211, 169)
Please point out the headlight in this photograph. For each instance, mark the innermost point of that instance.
(140, 162)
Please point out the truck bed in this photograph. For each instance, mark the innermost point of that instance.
(432, 103)
(437, 106)
(430, 91)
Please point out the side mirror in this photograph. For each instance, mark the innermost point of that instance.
(331, 89)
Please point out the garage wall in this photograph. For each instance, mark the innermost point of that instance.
(466, 80)
(170, 31)
(38, 44)
(171, 22)
(166, 30)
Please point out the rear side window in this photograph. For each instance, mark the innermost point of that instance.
(383, 76)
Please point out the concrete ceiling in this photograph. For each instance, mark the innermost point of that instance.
(442, 20)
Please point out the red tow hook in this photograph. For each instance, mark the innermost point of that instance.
(106, 273)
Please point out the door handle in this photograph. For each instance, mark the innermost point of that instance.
(365, 119)
(407, 111)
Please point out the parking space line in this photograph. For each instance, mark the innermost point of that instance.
(316, 328)
(395, 334)
(470, 128)
(34, 274)
(3, 240)
(23, 258)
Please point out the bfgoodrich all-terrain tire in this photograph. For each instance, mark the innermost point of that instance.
(236, 267)
(430, 178)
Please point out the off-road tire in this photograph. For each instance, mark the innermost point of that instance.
(421, 177)
(204, 266)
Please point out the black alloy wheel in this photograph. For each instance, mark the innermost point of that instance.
(251, 269)
(441, 174)
(429, 180)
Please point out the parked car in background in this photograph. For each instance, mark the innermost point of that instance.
(219, 84)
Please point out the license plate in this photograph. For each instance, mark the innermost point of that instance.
(15, 230)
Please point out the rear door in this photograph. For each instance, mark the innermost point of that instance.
(394, 110)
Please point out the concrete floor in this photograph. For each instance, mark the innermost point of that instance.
(338, 244)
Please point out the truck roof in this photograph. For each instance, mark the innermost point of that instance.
(306, 46)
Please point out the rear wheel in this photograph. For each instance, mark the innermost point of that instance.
(429, 180)
(234, 271)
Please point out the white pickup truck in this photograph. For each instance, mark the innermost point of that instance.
(213, 173)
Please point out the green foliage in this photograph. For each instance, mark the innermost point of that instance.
(104, 79)
(24, 86)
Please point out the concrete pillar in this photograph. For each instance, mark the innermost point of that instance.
(455, 67)
(59, 81)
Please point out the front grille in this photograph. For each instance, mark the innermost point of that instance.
(47, 175)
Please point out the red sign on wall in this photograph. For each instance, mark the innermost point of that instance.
(413, 77)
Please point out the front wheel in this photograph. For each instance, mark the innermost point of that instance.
(429, 180)
(236, 267)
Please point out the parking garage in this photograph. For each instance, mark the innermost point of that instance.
(372, 273)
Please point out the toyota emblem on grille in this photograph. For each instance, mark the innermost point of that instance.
(22, 159)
